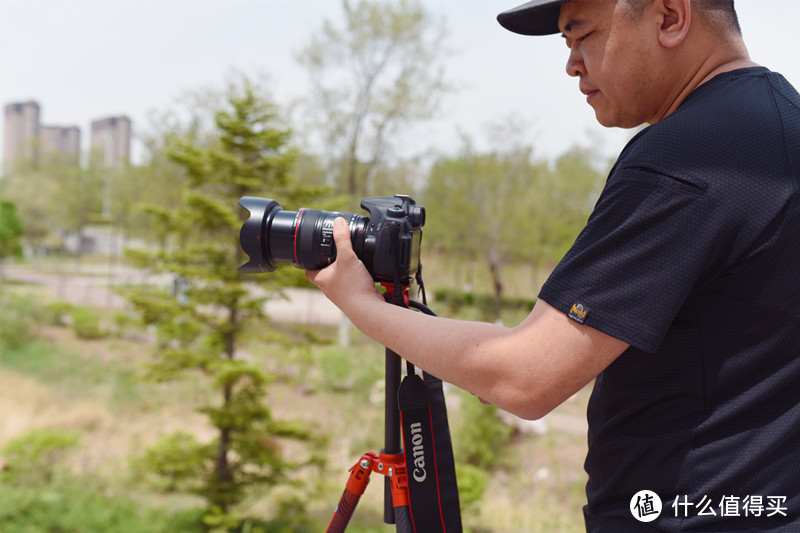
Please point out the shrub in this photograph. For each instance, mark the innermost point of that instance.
(472, 482)
(34, 457)
(86, 324)
(17, 317)
(481, 436)
(455, 300)
(58, 313)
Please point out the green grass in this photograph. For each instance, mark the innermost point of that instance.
(73, 376)
(73, 508)
(94, 387)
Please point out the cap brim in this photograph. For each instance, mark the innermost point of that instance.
(538, 17)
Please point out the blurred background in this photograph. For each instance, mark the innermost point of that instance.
(145, 385)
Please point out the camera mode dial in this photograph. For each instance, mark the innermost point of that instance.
(395, 212)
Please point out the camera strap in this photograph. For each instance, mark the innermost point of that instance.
(432, 489)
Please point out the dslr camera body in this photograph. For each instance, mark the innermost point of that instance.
(387, 241)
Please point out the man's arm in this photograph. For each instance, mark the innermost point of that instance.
(527, 370)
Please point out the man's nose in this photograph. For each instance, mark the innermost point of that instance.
(575, 66)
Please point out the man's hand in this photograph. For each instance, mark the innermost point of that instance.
(347, 280)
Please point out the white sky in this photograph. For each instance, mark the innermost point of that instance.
(83, 60)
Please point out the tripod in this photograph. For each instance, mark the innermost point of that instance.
(391, 462)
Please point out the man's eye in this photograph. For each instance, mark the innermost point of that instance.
(570, 41)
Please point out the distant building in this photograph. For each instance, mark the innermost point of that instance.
(61, 144)
(27, 142)
(111, 140)
(21, 134)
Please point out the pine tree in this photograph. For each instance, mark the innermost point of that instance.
(201, 322)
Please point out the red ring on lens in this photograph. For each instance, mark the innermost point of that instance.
(296, 226)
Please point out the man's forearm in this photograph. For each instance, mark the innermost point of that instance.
(455, 351)
(527, 370)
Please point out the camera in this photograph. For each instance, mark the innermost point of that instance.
(387, 241)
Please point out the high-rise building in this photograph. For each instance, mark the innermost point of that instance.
(111, 140)
(21, 132)
(61, 144)
(27, 142)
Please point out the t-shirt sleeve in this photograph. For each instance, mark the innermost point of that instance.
(651, 239)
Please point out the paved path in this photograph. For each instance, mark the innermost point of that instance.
(92, 285)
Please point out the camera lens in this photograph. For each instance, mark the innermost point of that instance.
(304, 237)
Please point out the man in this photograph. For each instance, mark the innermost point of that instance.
(682, 294)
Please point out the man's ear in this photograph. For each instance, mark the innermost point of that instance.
(676, 18)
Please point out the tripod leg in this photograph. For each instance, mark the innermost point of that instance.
(392, 436)
(356, 485)
(402, 516)
(344, 512)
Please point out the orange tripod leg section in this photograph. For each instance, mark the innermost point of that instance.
(356, 485)
(392, 466)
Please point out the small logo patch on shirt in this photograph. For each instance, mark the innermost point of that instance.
(578, 313)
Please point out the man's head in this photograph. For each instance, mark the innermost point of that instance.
(718, 14)
(540, 17)
(636, 59)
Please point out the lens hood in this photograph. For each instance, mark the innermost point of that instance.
(251, 236)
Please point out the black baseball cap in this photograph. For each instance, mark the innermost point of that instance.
(537, 17)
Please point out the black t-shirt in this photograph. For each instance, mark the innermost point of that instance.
(692, 255)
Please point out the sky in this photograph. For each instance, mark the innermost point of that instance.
(84, 60)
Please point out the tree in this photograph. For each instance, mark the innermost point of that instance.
(371, 77)
(11, 231)
(483, 217)
(34, 206)
(202, 323)
(502, 206)
(54, 198)
(564, 202)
